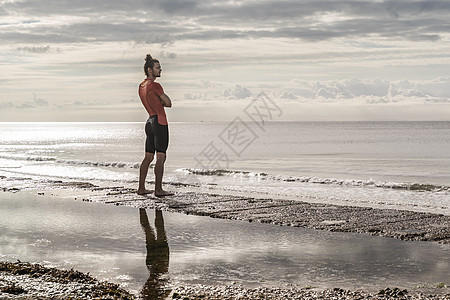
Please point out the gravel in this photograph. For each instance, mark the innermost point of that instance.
(33, 281)
(230, 292)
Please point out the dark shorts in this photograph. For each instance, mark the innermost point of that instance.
(157, 136)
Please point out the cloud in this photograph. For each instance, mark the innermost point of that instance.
(133, 100)
(42, 49)
(35, 103)
(82, 105)
(238, 92)
(38, 101)
(178, 6)
(371, 91)
(166, 54)
(201, 96)
(174, 20)
(288, 96)
(6, 105)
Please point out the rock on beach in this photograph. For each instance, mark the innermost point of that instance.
(33, 281)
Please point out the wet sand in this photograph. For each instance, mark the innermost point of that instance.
(400, 224)
(404, 225)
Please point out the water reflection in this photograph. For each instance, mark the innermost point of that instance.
(157, 260)
(68, 234)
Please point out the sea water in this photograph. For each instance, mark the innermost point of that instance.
(401, 165)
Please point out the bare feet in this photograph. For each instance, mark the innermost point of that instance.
(163, 193)
(144, 192)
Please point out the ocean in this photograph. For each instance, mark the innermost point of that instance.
(399, 165)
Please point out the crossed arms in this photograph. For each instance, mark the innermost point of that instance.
(165, 100)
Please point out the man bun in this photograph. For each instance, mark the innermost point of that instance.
(148, 58)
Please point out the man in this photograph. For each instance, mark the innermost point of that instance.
(156, 128)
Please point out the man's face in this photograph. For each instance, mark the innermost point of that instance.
(156, 71)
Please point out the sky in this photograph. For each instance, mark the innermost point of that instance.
(318, 60)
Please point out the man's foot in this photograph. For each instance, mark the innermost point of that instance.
(163, 194)
(144, 192)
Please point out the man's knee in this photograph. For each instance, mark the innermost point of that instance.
(160, 157)
(148, 157)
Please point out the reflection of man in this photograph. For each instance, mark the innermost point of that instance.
(157, 260)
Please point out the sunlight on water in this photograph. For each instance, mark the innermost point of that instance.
(377, 164)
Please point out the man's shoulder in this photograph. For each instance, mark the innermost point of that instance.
(157, 88)
(149, 85)
(143, 84)
(156, 84)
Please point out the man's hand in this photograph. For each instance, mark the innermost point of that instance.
(165, 100)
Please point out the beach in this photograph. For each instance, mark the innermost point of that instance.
(403, 225)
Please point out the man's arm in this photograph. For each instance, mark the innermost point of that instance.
(165, 100)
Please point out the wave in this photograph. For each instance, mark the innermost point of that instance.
(132, 165)
(317, 180)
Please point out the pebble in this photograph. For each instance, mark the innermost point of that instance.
(25, 281)
(197, 292)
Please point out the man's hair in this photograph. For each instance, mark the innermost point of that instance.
(149, 63)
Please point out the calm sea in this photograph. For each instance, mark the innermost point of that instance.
(401, 165)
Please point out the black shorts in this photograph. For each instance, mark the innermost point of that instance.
(157, 136)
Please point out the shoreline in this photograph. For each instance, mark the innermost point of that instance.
(391, 223)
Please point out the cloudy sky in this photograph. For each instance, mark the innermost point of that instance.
(82, 60)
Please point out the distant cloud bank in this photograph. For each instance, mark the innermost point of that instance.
(352, 90)
(370, 91)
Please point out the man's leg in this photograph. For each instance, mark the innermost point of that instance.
(159, 172)
(143, 170)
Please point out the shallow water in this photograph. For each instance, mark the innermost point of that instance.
(142, 250)
(349, 163)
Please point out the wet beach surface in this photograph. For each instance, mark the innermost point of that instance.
(216, 258)
(401, 224)
(394, 223)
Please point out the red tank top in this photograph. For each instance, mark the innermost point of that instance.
(149, 92)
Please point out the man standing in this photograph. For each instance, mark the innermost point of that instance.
(156, 128)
